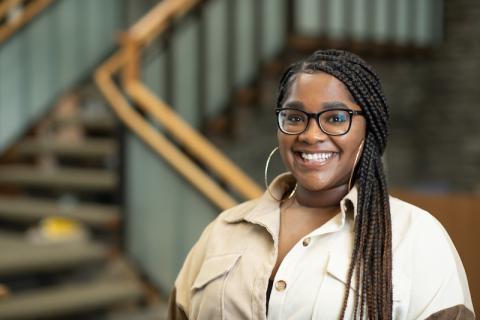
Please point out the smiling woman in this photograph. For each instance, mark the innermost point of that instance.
(325, 241)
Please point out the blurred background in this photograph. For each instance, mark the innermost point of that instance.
(126, 126)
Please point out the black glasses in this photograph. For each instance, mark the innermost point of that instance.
(334, 122)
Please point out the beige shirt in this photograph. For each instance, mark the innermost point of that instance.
(225, 275)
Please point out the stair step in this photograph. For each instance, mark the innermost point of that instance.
(30, 210)
(19, 256)
(84, 149)
(104, 123)
(70, 299)
(59, 178)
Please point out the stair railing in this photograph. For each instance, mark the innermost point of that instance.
(27, 13)
(127, 62)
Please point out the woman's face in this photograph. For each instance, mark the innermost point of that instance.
(319, 161)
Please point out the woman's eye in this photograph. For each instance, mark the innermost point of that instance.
(337, 118)
(295, 118)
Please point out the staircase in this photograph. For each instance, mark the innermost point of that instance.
(60, 218)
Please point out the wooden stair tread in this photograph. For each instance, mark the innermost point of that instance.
(68, 299)
(19, 256)
(66, 178)
(85, 148)
(31, 210)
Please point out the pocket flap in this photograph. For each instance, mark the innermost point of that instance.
(338, 266)
(213, 268)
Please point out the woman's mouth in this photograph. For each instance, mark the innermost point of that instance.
(314, 158)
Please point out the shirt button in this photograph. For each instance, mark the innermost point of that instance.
(280, 285)
(306, 241)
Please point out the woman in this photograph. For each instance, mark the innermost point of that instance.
(325, 241)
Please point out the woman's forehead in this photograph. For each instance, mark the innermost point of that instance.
(317, 88)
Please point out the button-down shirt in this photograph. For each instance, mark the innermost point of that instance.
(225, 276)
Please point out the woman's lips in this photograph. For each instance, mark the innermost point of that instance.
(314, 159)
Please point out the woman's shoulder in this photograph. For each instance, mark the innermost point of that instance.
(408, 216)
(225, 228)
(426, 260)
(418, 235)
(238, 212)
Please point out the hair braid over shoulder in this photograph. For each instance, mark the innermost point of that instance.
(371, 259)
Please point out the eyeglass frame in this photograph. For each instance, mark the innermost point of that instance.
(316, 116)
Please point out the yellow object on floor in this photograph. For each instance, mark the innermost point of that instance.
(58, 229)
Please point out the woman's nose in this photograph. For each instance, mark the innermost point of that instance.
(313, 133)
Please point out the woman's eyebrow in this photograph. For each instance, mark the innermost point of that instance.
(333, 105)
(295, 104)
(325, 106)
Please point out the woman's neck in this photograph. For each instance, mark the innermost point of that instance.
(321, 199)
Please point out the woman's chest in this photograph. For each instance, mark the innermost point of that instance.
(310, 282)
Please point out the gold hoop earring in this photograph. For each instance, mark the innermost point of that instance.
(354, 165)
(266, 178)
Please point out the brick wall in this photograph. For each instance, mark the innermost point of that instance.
(435, 106)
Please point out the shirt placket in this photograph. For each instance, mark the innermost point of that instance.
(285, 275)
(288, 271)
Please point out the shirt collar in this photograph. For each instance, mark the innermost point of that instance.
(266, 211)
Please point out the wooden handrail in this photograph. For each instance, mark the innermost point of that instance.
(153, 138)
(157, 19)
(200, 147)
(127, 61)
(29, 12)
(147, 29)
(7, 5)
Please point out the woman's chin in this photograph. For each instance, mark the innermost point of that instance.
(315, 184)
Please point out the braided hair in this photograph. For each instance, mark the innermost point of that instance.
(371, 259)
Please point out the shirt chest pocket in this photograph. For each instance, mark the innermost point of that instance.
(208, 288)
(331, 293)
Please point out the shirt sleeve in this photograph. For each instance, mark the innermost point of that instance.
(180, 296)
(439, 282)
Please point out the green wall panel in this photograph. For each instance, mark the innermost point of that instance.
(49, 55)
(186, 70)
(273, 27)
(165, 214)
(244, 44)
(217, 90)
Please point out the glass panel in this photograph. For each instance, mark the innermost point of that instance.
(244, 42)
(380, 30)
(401, 32)
(217, 90)
(166, 215)
(307, 20)
(273, 27)
(68, 45)
(59, 47)
(424, 33)
(336, 19)
(360, 17)
(186, 71)
(154, 73)
(39, 61)
(10, 90)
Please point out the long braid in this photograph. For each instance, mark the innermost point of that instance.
(371, 258)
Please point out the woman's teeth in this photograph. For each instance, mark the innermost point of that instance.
(323, 156)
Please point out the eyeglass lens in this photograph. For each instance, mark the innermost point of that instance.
(333, 122)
